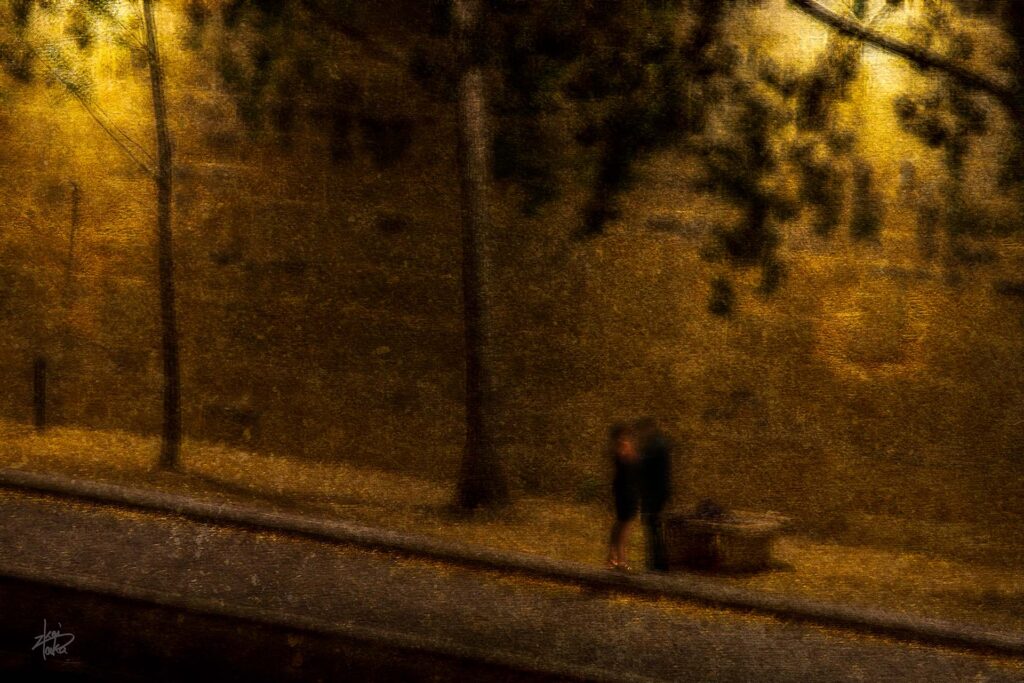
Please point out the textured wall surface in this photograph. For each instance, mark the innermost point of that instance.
(318, 272)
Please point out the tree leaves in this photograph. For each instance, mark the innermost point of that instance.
(63, 72)
(79, 27)
(16, 60)
(722, 299)
(866, 219)
(21, 12)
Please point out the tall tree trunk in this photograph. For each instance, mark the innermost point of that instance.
(171, 441)
(481, 480)
(1014, 18)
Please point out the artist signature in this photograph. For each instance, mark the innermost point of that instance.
(53, 642)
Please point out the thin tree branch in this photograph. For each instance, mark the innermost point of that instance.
(128, 32)
(370, 47)
(923, 58)
(131, 35)
(107, 128)
(120, 138)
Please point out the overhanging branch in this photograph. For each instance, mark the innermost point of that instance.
(118, 136)
(921, 57)
(328, 14)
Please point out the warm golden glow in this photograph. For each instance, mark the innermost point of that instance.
(295, 302)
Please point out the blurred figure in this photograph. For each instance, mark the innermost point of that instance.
(625, 489)
(655, 478)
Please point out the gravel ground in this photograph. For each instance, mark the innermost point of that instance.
(484, 610)
(892, 579)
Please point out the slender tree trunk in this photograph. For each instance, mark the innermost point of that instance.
(69, 262)
(171, 441)
(1014, 19)
(481, 480)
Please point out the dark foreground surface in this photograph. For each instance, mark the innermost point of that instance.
(158, 597)
(120, 639)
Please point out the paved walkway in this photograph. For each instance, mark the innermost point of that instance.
(679, 585)
(548, 625)
(901, 590)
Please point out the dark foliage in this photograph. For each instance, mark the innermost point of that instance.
(773, 275)
(866, 221)
(614, 65)
(386, 139)
(826, 85)
(722, 299)
(519, 155)
(274, 58)
(822, 186)
(17, 62)
(341, 147)
(21, 11)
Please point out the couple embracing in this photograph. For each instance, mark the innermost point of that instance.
(641, 456)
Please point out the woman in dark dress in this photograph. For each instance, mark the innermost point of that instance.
(625, 457)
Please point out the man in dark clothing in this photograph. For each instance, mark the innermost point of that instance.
(655, 488)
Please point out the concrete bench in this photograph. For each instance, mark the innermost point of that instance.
(737, 541)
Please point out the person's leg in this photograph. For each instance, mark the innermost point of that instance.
(657, 559)
(623, 544)
(614, 556)
(618, 542)
(659, 556)
(648, 541)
